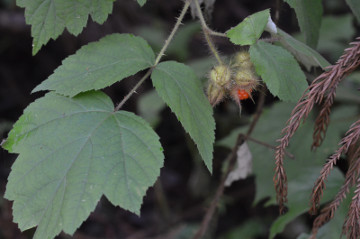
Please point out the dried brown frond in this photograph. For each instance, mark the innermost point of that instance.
(328, 212)
(352, 223)
(346, 64)
(322, 87)
(350, 138)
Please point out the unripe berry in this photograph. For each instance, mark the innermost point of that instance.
(242, 59)
(220, 75)
(215, 93)
(246, 79)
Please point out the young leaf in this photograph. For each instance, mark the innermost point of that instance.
(73, 150)
(100, 64)
(355, 8)
(48, 18)
(141, 2)
(309, 13)
(179, 87)
(249, 30)
(304, 54)
(279, 70)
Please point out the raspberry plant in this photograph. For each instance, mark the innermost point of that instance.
(74, 145)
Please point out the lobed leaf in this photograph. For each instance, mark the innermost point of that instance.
(100, 64)
(303, 53)
(179, 87)
(249, 30)
(71, 152)
(49, 18)
(279, 70)
(309, 14)
(355, 8)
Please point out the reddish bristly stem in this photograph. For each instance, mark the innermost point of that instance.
(328, 212)
(322, 88)
(347, 63)
(350, 138)
(352, 223)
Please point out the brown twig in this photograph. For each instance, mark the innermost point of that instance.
(231, 159)
(322, 87)
(269, 146)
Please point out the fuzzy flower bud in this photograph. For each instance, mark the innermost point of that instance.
(242, 59)
(219, 77)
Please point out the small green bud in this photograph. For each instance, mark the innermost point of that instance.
(215, 93)
(242, 59)
(220, 75)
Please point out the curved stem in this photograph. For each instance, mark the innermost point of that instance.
(207, 32)
(170, 37)
(160, 54)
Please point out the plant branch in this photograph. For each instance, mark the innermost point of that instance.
(269, 146)
(133, 90)
(159, 56)
(232, 160)
(207, 31)
(174, 30)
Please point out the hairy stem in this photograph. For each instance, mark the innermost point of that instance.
(207, 33)
(159, 56)
(133, 90)
(174, 30)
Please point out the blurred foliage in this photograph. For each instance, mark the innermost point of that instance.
(303, 171)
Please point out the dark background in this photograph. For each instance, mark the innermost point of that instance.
(176, 205)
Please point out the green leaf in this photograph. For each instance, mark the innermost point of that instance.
(304, 54)
(156, 35)
(355, 8)
(335, 34)
(309, 13)
(141, 2)
(251, 228)
(249, 30)
(279, 70)
(73, 150)
(49, 18)
(100, 64)
(333, 229)
(179, 87)
(149, 106)
(303, 171)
